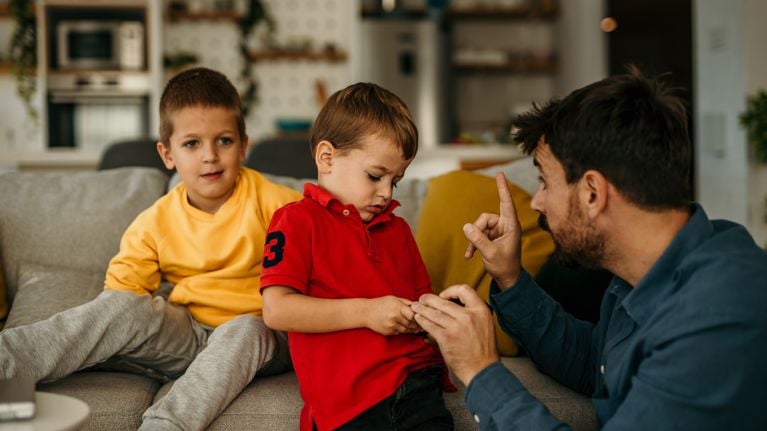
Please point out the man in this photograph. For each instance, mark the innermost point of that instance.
(682, 339)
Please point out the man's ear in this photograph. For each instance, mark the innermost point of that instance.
(165, 155)
(323, 157)
(594, 192)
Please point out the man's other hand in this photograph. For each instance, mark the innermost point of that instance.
(465, 333)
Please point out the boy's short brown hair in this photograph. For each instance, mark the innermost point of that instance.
(198, 86)
(361, 110)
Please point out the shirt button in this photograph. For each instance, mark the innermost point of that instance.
(602, 368)
(346, 212)
(476, 418)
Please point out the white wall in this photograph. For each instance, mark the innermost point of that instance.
(287, 88)
(729, 62)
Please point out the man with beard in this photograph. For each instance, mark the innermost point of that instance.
(682, 338)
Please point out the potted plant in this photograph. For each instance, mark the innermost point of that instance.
(256, 13)
(23, 52)
(754, 119)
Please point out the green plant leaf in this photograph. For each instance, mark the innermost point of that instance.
(754, 119)
(256, 14)
(23, 52)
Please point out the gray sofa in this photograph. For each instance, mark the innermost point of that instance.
(57, 234)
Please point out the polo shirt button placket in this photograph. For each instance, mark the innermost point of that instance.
(345, 212)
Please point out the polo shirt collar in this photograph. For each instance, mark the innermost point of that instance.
(661, 281)
(327, 200)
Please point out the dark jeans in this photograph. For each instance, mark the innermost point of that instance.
(417, 405)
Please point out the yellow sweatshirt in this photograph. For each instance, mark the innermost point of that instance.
(213, 260)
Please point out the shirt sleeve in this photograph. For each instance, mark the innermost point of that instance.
(136, 266)
(287, 251)
(559, 344)
(497, 398)
(499, 401)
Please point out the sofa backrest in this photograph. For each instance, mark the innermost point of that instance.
(72, 220)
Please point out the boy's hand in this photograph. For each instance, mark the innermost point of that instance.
(390, 315)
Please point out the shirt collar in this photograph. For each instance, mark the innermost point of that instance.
(661, 280)
(327, 200)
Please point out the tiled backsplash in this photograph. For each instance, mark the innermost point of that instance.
(286, 86)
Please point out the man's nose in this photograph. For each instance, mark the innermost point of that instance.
(536, 202)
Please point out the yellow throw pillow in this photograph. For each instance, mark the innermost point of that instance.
(457, 198)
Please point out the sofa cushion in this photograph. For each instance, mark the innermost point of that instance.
(268, 403)
(521, 172)
(43, 291)
(410, 193)
(274, 403)
(72, 220)
(117, 400)
(565, 404)
(3, 300)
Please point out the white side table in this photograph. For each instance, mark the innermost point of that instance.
(53, 412)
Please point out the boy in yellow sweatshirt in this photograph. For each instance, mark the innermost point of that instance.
(206, 238)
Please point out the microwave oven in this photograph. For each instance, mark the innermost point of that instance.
(101, 45)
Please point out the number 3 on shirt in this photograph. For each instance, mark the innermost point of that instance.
(273, 251)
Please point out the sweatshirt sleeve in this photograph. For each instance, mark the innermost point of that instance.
(136, 266)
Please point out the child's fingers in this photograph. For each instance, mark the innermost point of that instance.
(407, 313)
(405, 301)
(400, 329)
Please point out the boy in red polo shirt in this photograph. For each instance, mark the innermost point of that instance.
(341, 270)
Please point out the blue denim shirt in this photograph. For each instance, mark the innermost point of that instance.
(686, 348)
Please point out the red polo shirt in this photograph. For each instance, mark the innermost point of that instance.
(321, 248)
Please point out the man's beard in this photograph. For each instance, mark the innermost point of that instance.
(577, 242)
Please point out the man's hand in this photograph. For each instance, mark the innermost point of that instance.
(497, 237)
(465, 334)
(390, 315)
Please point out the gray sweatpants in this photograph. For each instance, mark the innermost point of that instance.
(211, 365)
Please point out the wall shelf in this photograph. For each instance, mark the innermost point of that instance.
(503, 13)
(5, 10)
(175, 16)
(328, 56)
(471, 13)
(546, 68)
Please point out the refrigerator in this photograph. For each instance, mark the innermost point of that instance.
(407, 55)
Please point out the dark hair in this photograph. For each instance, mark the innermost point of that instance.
(630, 128)
(198, 86)
(364, 109)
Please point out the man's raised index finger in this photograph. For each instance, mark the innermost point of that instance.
(507, 203)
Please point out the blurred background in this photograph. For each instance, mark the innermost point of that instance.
(77, 76)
